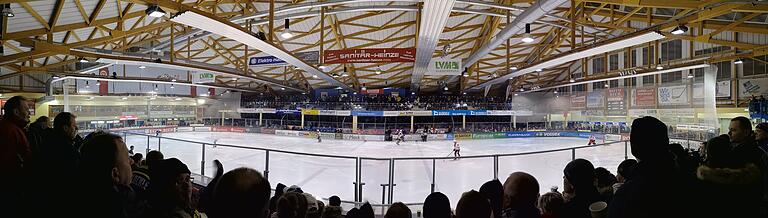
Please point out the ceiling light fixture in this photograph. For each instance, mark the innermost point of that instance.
(287, 31)
(445, 88)
(171, 85)
(738, 61)
(513, 68)
(555, 91)
(282, 88)
(378, 70)
(7, 11)
(142, 67)
(154, 11)
(572, 80)
(87, 86)
(527, 38)
(124, 98)
(314, 76)
(690, 75)
(680, 29)
(82, 60)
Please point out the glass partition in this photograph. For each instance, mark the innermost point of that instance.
(546, 167)
(454, 177)
(313, 173)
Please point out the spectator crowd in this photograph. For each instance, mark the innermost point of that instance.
(52, 172)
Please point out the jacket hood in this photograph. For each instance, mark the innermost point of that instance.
(748, 174)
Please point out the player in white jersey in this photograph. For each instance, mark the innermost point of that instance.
(318, 136)
(399, 137)
(456, 149)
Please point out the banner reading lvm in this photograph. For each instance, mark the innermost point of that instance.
(444, 67)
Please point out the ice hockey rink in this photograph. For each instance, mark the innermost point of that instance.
(327, 176)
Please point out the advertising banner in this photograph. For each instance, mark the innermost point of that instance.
(520, 134)
(482, 136)
(673, 95)
(615, 103)
(458, 112)
(462, 135)
(310, 57)
(370, 55)
(203, 77)
(414, 113)
(372, 91)
(578, 101)
(257, 110)
(644, 97)
(596, 99)
(752, 87)
(723, 89)
(288, 112)
(237, 129)
(368, 113)
(391, 113)
(267, 130)
(185, 129)
(441, 66)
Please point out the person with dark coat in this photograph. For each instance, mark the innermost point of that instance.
(333, 210)
(170, 190)
(437, 205)
(494, 191)
(728, 183)
(656, 188)
(37, 131)
(747, 149)
(579, 189)
(58, 157)
(14, 150)
(242, 192)
(105, 175)
(521, 193)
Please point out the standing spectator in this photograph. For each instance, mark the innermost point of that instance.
(761, 136)
(398, 210)
(291, 205)
(105, 173)
(579, 188)
(37, 131)
(654, 178)
(242, 192)
(605, 181)
(333, 210)
(437, 205)
(494, 191)
(551, 204)
(728, 183)
(58, 158)
(473, 204)
(279, 190)
(521, 190)
(624, 173)
(366, 211)
(14, 150)
(170, 190)
(745, 148)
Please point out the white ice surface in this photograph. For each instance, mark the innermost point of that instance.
(324, 176)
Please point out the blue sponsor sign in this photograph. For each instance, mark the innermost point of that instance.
(368, 113)
(310, 57)
(459, 112)
(288, 112)
(520, 134)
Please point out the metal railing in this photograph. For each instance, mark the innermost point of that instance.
(323, 174)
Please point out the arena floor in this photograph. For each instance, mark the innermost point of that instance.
(324, 176)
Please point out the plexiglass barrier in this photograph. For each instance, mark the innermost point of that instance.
(380, 181)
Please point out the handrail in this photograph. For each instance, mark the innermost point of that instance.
(382, 158)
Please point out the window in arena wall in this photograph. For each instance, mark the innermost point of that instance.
(671, 77)
(579, 88)
(598, 65)
(648, 51)
(649, 80)
(752, 67)
(672, 50)
(613, 62)
(598, 85)
(614, 83)
(630, 81)
(723, 72)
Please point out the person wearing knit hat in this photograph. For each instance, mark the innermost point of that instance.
(171, 190)
(579, 186)
(761, 136)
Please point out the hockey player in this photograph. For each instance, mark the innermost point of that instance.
(456, 149)
(318, 136)
(591, 140)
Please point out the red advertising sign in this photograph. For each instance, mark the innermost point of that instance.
(237, 129)
(373, 91)
(370, 55)
(644, 96)
(578, 101)
(128, 117)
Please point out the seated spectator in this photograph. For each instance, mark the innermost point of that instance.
(333, 210)
(551, 204)
(366, 211)
(729, 184)
(473, 204)
(170, 190)
(761, 136)
(653, 178)
(624, 173)
(579, 188)
(398, 210)
(521, 190)
(105, 174)
(141, 176)
(136, 160)
(494, 192)
(605, 181)
(242, 192)
(437, 205)
(291, 205)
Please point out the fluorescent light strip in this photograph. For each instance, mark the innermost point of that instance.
(617, 45)
(623, 77)
(145, 81)
(193, 19)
